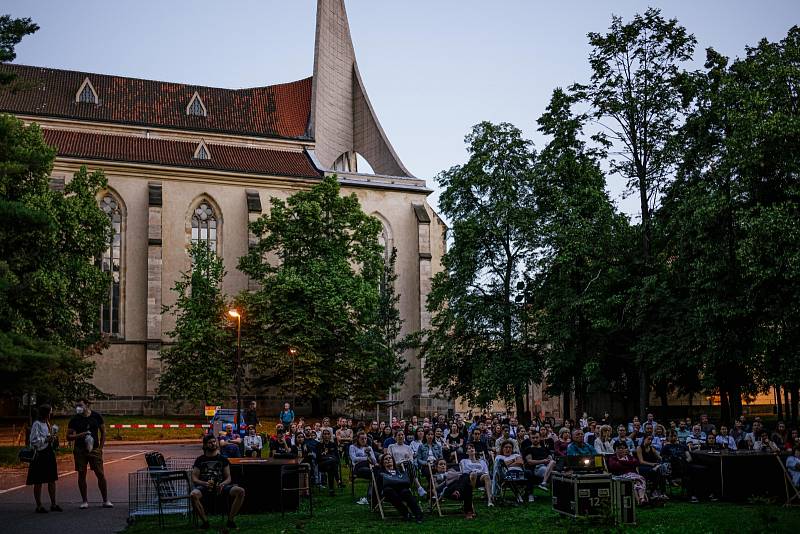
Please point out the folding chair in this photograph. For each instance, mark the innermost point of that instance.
(172, 487)
(506, 481)
(437, 502)
(376, 499)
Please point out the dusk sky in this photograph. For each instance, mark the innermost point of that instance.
(432, 68)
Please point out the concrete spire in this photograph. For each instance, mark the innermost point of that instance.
(343, 121)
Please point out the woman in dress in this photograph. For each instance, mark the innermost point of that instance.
(43, 468)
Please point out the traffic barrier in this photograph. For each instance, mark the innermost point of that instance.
(155, 425)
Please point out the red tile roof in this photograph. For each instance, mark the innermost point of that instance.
(273, 111)
(102, 147)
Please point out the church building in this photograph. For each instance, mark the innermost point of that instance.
(187, 163)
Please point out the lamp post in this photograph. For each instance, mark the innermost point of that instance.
(234, 314)
(292, 355)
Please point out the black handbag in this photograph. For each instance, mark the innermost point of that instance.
(27, 454)
(399, 480)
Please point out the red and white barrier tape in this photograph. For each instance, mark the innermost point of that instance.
(161, 426)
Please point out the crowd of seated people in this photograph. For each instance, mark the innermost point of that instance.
(468, 458)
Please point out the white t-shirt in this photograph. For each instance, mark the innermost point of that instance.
(401, 453)
(477, 466)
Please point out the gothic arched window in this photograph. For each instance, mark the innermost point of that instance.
(204, 225)
(111, 262)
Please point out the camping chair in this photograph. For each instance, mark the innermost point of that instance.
(376, 499)
(438, 502)
(296, 478)
(507, 480)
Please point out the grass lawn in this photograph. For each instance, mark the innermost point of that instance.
(340, 514)
(9, 456)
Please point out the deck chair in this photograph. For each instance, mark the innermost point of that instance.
(437, 503)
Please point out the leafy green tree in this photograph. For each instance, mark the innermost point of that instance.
(582, 274)
(51, 288)
(636, 92)
(318, 266)
(11, 33)
(201, 363)
(477, 346)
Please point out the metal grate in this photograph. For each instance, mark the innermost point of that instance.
(143, 494)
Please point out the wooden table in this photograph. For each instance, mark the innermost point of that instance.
(261, 480)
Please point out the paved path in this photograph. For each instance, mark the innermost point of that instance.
(17, 505)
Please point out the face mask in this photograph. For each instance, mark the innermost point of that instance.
(79, 410)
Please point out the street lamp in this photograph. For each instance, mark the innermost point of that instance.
(292, 354)
(234, 314)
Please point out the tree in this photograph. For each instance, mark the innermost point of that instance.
(476, 347)
(582, 273)
(51, 288)
(318, 266)
(636, 93)
(11, 33)
(200, 364)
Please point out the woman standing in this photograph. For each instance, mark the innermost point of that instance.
(43, 468)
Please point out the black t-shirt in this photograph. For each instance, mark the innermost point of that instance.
(211, 467)
(82, 423)
(536, 453)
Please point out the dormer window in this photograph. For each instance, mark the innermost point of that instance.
(202, 152)
(86, 93)
(196, 106)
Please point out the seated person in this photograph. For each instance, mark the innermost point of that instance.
(563, 442)
(479, 442)
(636, 434)
(793, 466)
(696, 438)
(683, 432)
(578, 447)
(279, 431)
(306, 449)
(792, 441)
(478, 471)
(428, 453)
(510, 465)
(374, 437)
(622, 436)
(710, 444)
(395, 486)
(504, 434)
(622, 464)
(363, 459)
(403, 457)
(228, 449)
(603, 444)
(650, 466)
(283, 448)
(328, 460)
(781, 435)
(725, 440)
(455, 444)
(454, 485)
(211, 476)
(252, 443)
(539, 461)
(659, 437)
(232, 435)
(765, 444)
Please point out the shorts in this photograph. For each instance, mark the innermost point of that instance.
(206, 491)
(93, 459)
(539, 470)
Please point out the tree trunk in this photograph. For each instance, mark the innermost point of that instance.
(736, 402)
(786, 402)
(725, 407)
(778, 403)
(567, 404)
(795, 391)
(519, 403)
(662, 394)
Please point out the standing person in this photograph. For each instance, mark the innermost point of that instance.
(286, 417)
(43, 468)
(88, 430)
(250, 415)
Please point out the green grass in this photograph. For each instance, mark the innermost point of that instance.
(340, 514)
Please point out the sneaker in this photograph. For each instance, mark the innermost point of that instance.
(84, 505)
(108, 504)
(469, 515)
(56, 508)
(41, 510)
(490, 505)
(362, 500)
(531, 498)
(712, 498)
(421, 491)
(544, 487)
(694, 500)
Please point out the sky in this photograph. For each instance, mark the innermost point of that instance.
(432, 68)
